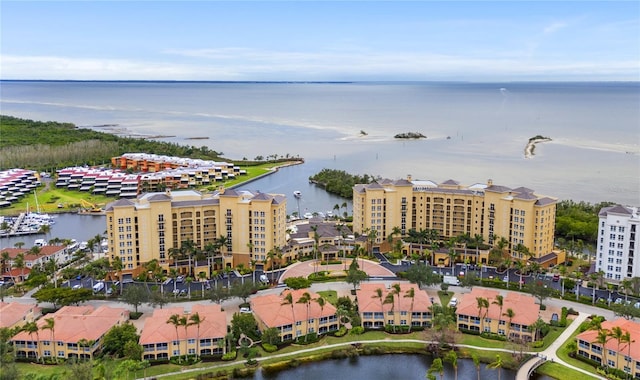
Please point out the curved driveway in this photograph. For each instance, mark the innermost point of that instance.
(305, 268)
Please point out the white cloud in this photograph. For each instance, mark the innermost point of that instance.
(554, 27)
(246, 64)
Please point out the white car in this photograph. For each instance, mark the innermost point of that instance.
(453, 302)
(77, 286)
(245, 310)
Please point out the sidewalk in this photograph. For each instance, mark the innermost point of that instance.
(550, 353)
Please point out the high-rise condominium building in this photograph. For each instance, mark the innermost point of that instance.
(491, 211)
(617, 242)
(247, 225)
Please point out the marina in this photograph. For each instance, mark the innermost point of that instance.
(27, 223)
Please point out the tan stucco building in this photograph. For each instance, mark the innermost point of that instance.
(156, 224)
(518, 215)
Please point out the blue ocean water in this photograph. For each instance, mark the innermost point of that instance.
(475, 131)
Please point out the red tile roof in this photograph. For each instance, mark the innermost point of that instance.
(525, 307)
(13, 312)
(273, 313)
(626, 325)
(74, 323)
(368, 300)
(157, 330)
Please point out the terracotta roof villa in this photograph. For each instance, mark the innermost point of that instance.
(493, 319)
(160, 342)
(77, 332)
(14, 314)
(404, 311)
(623, 355)
(274, 310)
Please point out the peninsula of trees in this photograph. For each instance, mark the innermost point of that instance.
(339, 182)
(410, 135)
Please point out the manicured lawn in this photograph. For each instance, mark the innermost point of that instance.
(478, 341)
(558, 371)
(445, 297)
(563, 353)
(40, 370)
(330, 296)
(553, 334)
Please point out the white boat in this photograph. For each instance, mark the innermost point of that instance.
(297, 194)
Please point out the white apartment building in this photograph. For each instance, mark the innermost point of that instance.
(618, 244)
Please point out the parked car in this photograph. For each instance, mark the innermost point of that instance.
(453, 302)
(556, 277)
(77, 286)
(245, 310)
(179, 279)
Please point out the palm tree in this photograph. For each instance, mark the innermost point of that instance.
(19, 263)
(410, 293)
(627, 286)
(316, 242)
(322, 303)
(520, 265)
(31, 328)
(270, 256)
(482, 303)
(602, 338)
(626, 338)
(617, 334)
(174, 319)
(390, 299)
(496, 365)
(202, 276)
(452, 357)
(288, 300)
(379, 294)
(536, 327)
(451, 245)
(50, 324)
(436, 366)
(194, 319)
(118, 265)
(509, 314)
(306, 299)
(476, 362)
(499, 300)
(478, 240)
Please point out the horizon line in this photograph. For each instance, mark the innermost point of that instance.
(310, 81)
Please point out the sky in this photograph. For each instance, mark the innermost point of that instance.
(320, 40)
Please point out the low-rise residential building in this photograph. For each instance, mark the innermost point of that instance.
(294, 313)
(71, 332)
(621, 352)
(496, 319)
(400, 304)
(334, 240)
(162, 340)
(59, 253)
(14, 314)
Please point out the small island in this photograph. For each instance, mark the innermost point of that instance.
(410, 135)
(531, 145)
